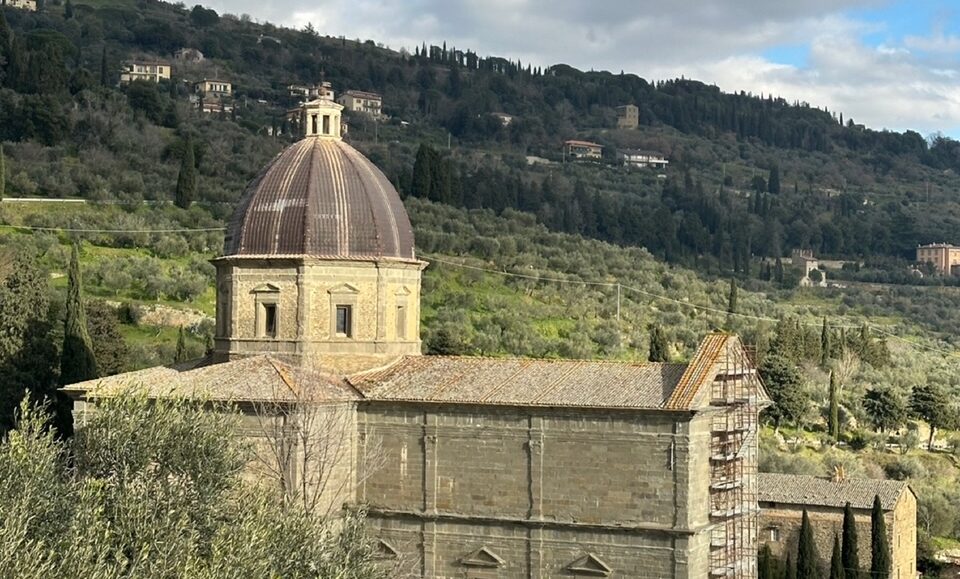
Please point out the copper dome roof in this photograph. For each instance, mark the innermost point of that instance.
(320, 197)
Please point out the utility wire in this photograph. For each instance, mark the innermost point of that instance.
(681, 302)
(71, 230)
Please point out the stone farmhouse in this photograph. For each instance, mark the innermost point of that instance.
(783, 497)
(944, 257)
(468, 466)
(628, 117)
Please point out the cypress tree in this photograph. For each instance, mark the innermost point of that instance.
(834, 418)
(836, 564)
(181, 353)
(732, 297)
(765, 569)
(659, 349)
(880, 564)
(825, 344)
(778, 271)
(848, 553)
(104, 71)
(421, 172)
(790, 570)
(3, 174)
(187, 180)
(77, 361)
(807, 551)
(773, 184)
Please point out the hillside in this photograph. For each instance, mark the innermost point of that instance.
(550, 259)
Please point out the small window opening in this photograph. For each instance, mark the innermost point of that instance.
(326, 124)
(344, 321)
(314, 132)
(402, 322)
(270, 320)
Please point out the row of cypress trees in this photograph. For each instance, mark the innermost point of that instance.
(844, 560)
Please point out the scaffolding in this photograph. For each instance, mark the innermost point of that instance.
(733, 468)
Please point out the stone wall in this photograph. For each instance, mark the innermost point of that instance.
(827, 521)
(306, 293)
(539, 489)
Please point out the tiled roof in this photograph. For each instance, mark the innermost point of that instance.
(320, 197)
(521, 382)
(259, 378)
(800, 489)
(582, 143)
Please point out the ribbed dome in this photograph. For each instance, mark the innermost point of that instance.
(320, 197)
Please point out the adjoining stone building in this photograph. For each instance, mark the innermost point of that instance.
(783, 497)
(944, 257)
(487, 467)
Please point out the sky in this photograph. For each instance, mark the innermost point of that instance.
(889, 64)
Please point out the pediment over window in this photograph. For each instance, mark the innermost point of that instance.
(482, 557)
(385, 550)
(265, 288)
(402, 292)
(342, 289)
(590, 565)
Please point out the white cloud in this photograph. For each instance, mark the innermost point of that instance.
(901, 84)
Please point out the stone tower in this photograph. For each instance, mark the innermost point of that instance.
(318, 265)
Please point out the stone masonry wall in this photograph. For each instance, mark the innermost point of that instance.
(539, 488)
(827, 521)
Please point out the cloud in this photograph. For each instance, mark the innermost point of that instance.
(901, 83)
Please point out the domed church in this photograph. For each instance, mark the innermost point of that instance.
(467, 466)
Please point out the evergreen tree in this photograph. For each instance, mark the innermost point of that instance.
(834, 418)
(766, 564)
(77, 360)
(68, 10)
(732, 297)
(422, 171)
(773, 184)
(181, 354)
(880, 564)
(790, 570)
(104, 71)
(3, 174)
(836, 564)
(778, 273)
(849, 553)
(930, 403)
(659, 349)
(807, 560)
(825, 344)
(6, 49)
(885, 408)
(783, 381)
(187, 179)
(109, 347)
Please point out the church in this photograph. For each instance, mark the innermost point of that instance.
(468, 467)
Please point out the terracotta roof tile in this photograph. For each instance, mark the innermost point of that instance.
(259, 378)
(798, 489)
(522, 382)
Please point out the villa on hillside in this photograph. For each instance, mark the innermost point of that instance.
(362, 102)
(30, 5)
(642, 159)
(150, 71)
(574, 149)
(944, 257)
(628, 117)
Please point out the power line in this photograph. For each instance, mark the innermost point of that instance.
(116, 231)
(683, 303)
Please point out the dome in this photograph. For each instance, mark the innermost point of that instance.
(320, 197)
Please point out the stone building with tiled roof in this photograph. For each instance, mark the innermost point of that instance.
(783, 497)
(468, 466)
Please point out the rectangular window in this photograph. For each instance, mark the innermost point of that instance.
(344, 321)
(402, 322)
(270, 320)
(314, 131)
(774, 534)
(326, 124)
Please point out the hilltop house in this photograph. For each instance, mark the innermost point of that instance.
(808, 267)
(574, 149)
(188, 55)
(944, 257)
(311, 91)
(783, 497)
(628, 117)
(30, 5)
(642, 159)
(363, 102)
(150, 71)
(214, 96)
(467, 466)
